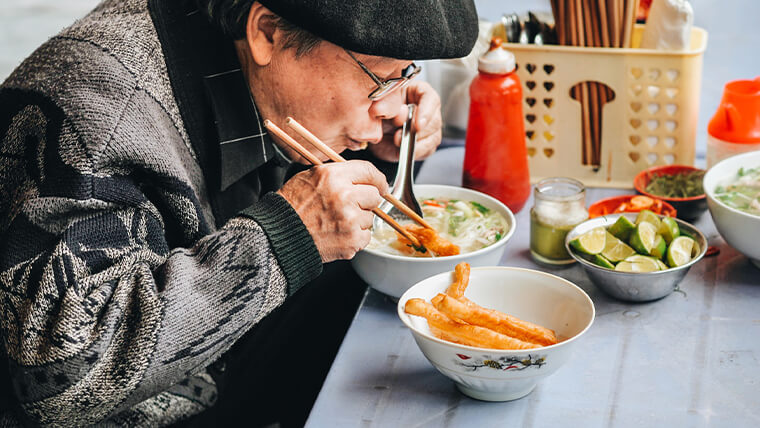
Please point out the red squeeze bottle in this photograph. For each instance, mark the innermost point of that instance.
(495, 157)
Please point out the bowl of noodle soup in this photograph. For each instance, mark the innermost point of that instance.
(478, 224)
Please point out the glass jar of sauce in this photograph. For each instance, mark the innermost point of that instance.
(559, 205)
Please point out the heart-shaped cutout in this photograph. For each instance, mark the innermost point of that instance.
(531, 151)
(671, 108)
(635, 106)
(548, 136)
(671, 92)
(530, 67)
(531, 101)
(635, 123)
(671, 125)
(530, 118)
(548, 152)
(530, 134)
(651, 158)
(653, 108)
(652, 140)
(548, 68)
(670, 142)
(654, 74)
(636, 72)
(548, 119)
(548, 102)
(669, 158)
(653, 124)
(672, 74)
(636, 90)
(530, 84)
(635, 156)
(635, 139)
(548, 85)
(653, 91)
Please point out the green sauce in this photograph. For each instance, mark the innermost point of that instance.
(547, 242)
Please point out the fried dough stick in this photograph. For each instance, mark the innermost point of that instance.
(461, 280)
(430, 240)
(499, 322)
(463, 333)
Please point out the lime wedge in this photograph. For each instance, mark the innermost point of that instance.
(662, 265)
(635, 267)
(600, 260)
(645, 260)
(643, 237)
(622, 228)
(669, 229)
(616, 250)
(679, 251)
(649, 217)
(658, 249)
(695, 250)
(591, 242)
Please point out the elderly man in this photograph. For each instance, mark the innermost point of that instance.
(149, 223)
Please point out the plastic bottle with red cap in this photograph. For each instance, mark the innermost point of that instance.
(735, 127)
(496, 159)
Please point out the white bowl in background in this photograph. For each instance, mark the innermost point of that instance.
(741, 230)
(394, 274)
(502, 375)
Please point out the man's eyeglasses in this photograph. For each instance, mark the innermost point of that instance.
(385, 87)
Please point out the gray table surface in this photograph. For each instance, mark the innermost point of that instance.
(691, 359)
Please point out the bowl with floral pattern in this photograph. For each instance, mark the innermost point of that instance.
(534, 296)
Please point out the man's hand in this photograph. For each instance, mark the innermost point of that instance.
(335, 201)
(427, 124)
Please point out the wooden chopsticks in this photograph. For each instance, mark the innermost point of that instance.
(594, 23)
(295, 145)
(324, 148)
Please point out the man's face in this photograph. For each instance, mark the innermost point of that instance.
(327, 92)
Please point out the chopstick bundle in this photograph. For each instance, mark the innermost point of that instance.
(295, 145)
(594, 23)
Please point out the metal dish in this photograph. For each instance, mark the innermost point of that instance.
(634, 287)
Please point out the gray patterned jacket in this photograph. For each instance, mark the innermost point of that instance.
(116, 288)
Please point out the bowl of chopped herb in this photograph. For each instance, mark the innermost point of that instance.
(678, 185)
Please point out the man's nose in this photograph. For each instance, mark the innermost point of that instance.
(387, 107)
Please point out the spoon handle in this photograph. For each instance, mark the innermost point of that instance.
(402, 185)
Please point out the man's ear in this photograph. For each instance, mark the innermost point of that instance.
(260, 33)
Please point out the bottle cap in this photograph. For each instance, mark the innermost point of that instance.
(738, 117)
(497, 60)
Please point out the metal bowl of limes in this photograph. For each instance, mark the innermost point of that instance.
(636, 257)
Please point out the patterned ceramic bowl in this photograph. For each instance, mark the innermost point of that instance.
(500, 375)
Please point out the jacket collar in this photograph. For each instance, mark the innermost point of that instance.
(224, 125)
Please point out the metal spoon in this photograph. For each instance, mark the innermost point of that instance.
(404, 182)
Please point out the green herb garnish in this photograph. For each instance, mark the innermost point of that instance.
(454, 222)
(498, 236)
(479, 207)
(420, 249)
(682, 185)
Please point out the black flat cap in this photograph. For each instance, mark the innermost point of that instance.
(407, 29)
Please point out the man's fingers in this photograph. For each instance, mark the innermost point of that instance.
(365, 220)
(363, 172)
(367, 197)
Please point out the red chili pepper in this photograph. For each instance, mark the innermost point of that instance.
(433, 204)
(464, 357)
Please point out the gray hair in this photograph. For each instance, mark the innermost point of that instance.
(230, 17)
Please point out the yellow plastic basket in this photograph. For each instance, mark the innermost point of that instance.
(652, 119)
